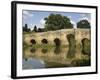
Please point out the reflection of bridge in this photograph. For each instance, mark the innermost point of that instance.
(51, 56)
(50, 36)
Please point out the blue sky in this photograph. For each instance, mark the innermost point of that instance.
(33, 18)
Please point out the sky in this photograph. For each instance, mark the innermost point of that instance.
(32, 18)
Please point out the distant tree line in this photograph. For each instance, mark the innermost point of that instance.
(57, 22)
(26, 29)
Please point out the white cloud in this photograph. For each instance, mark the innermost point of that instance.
(84, 17)
(74, 24)
(27, 14)
(31, 26)
(42, 21)
(69, 17)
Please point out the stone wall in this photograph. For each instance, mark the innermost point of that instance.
(60, 34)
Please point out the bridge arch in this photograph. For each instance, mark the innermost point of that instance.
(57, 41)
(33, 41)
(44, 41)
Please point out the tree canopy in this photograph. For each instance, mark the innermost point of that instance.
(83, 24)
(35, 28)
(56, 22)
(25, 28)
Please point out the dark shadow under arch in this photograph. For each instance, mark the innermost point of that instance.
(32, 41)
(57, 41)
(44, 41)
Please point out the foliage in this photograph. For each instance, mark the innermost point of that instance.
(35, 28)
(26, 29)
(56, 22)
(41, 29)
(83, 24)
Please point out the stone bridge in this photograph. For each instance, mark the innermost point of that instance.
(50, 36)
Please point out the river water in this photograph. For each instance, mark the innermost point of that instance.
(53, 58)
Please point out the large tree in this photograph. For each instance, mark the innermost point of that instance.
(57, 21)
(83, 24)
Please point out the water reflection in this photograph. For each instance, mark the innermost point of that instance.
(71, 53)
(32, 63)
(32, 50)
(57, 50)
(53, 57)
(44, 51)
(72, 45)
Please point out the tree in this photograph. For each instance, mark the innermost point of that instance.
(57, 21)
(25, 28)
(35, 28)
(83, 24)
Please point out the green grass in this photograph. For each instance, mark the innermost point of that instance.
(45, 46)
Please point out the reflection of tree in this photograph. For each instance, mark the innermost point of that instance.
(71, 40)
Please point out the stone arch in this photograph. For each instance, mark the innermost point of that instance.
(32, 41)
(57, 41)
(44, 41)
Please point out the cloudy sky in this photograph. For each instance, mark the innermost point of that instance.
(33, 18)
